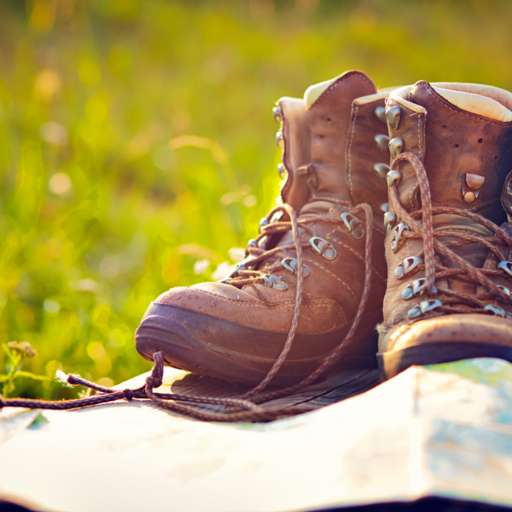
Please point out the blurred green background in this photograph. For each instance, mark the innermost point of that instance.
(137, 144)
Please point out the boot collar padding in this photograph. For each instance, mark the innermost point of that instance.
(296, 133)
(381, 94)
(363, 100)
(403, 95)
(484, 100)
(315, 91)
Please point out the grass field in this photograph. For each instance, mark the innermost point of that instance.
(137, 144)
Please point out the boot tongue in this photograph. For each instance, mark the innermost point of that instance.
(296, 151)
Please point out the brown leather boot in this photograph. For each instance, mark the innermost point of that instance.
(449, 268)
(266, 321)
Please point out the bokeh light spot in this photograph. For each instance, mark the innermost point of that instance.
(201, 266)
(54, 133)
(60, 184)
(85, 285)
(250, 201)
(96, 351)
(47, 83)
(164, 158)
(117, 338)
(222, 271)
(51, 306)
(236, 254)
(106, 381)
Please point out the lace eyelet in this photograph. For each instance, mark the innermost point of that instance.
(389, 221)
(423, 307)
(263, 222)
(323, 247)
(396, 146)
(393, 177)
(397, 236)
(505, 290)
(353, 225)
(381, 170)
(393, 115)
(506, 266)
(474, 182)
(407, 266)
(290, 265)
(276, 111)
(382, 141)
(496, 310)
(274, 282)
(415, 288)
(251, 243)
(380, 113)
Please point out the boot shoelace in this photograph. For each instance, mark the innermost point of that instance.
(410, 228)
(247, 407)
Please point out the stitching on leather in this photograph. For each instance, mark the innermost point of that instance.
(335, 305)
(318, 303)
(419, 135)
(359, 256)
(487, 203)
(326, 197)
(464, 113)
(329, 234)
(336, 277)
(379, 227)
(234, 301)
(353, 117)
(323, 302)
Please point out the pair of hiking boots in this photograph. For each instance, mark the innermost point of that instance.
(390, 238)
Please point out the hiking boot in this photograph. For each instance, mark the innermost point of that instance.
(307, 281)
(449, 270)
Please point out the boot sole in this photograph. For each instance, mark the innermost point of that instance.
(395, 362)
(185, 337)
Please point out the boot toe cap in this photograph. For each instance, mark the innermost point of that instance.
(201, 294)
(226, 302)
